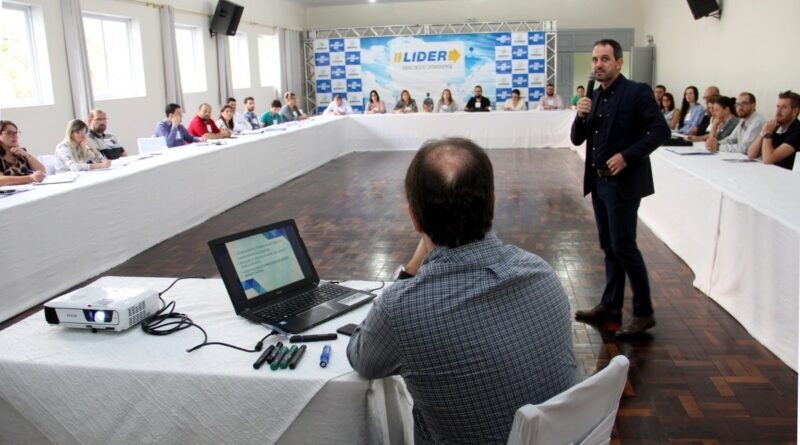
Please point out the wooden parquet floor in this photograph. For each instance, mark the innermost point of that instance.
(699, 378)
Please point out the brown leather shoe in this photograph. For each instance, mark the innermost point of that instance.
(636, 326)
(599, 313)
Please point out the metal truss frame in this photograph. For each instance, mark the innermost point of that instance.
(547, 26)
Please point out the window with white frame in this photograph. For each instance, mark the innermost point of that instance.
(269, 61)
(240, 60)
(191, 58)
(25, 71)
(115, 56)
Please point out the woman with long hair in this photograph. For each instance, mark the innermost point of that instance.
(75, 154)
(225, 118)
(668, 109)
(17, 166)
(691, 112)
(446, 103)
(375, 105)
(406, 104)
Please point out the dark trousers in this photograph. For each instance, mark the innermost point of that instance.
(616, 224)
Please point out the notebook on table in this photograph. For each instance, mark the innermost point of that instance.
(271, 279)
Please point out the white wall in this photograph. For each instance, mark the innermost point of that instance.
(751, 49)
(43, 126)
(568, 13)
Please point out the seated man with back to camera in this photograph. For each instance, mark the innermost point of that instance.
(172, 130)
(203, 126)
(105, 143)
(467, 302)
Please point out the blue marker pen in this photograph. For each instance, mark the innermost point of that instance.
(325, 357)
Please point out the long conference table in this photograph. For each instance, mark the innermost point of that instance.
(736, 224)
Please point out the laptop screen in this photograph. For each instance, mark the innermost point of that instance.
(263, 262)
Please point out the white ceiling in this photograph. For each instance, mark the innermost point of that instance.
(315, 3)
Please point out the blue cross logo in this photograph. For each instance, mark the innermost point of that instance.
(503, 94)
(519, 81)
(503, 67)
(519, 53)
(336, 72)
(354, 85)
(536, 38)
(323, 86)
(503, 39)
(337, 45)
(322, 59)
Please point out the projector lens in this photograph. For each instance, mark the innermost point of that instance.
(100, 317)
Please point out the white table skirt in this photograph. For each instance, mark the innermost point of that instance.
(71, 386)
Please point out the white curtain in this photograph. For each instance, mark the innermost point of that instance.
(172, 71)
(290, 47)
(77, 60)
(224, 68)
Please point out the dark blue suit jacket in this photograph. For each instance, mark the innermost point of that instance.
(637, 128)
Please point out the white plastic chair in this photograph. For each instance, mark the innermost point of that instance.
(583, 414)
(49, 162)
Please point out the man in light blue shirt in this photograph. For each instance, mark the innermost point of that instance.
(250, 115)
(172, 129)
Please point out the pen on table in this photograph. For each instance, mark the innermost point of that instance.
(325, 357)
(309, 338)
(277, 362)
(271, 355)
(263, 357)
(296, 357)
(285, 361)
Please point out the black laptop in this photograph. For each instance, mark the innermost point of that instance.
(271, 280)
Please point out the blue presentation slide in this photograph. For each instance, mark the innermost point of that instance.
(264, 262)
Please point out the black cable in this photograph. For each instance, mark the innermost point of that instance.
(383, 283)
(166, 321)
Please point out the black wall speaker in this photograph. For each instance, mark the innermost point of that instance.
(226, 18)
(705, 8)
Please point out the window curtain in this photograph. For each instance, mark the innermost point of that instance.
(224, 68)
(169, 47)
(77, 59)
(290, 48)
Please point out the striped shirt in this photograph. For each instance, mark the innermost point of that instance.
(480, 331)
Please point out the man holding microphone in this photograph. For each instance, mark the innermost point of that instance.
(621, 125)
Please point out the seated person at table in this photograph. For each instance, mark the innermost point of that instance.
(779, 139)
(446, 103)
(250, 115)
(172, 130)
(468, 303)
(725, 120)
(704, 127)
(671, 114)
(17, 166)
(579, 92)
(239, 123)
(691, 112)
(339, 107)
(273, 116)
(658, 92)
(427, 104)
(75, 154)
(202, 126)
(550, 100)
(750, 124)
(515, 102)
(478, 102)
(406, 104)
(105, 143)
(375, 105)
(291, 112)
(225, 120)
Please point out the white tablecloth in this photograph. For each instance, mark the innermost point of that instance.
(71, 386)
(502, 129)
(737, 226)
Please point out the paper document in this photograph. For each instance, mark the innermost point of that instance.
(683, 151)
(60, 178)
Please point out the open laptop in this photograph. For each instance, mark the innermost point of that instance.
(271, 280)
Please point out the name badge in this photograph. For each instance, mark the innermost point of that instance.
(208, 127)
(478, 104)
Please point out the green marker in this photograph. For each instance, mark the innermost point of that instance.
(285, 362)
(278, 358)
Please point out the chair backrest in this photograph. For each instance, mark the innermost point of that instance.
(49, 162)
(583, 414)
(796, 168)
(151, 145)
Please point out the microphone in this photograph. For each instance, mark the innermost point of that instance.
(590, 84)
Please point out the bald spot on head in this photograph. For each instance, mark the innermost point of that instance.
(448, 161)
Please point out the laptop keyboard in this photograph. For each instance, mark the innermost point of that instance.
(301, 302)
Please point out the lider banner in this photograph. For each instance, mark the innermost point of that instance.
(425, 65)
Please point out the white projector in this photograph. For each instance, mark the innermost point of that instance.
(111, 309)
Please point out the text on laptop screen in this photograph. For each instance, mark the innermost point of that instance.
(264, 262)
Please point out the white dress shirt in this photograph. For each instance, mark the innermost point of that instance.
(345, 108)
(743, 135)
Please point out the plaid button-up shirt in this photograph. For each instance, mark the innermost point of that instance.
(480, 331)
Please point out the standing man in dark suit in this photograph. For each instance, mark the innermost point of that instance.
(622, 125)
